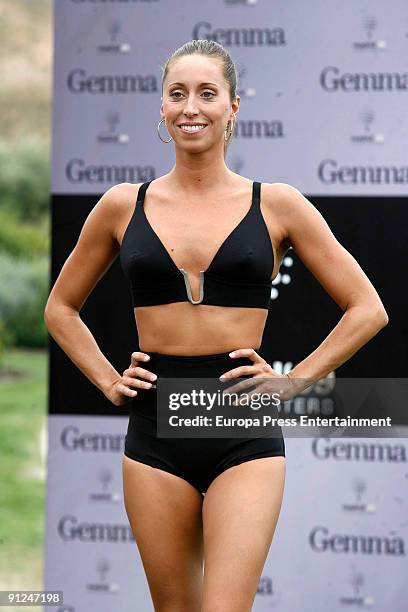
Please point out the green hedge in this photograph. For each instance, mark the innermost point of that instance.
(24, 288)
(23, 240)
(24, 178)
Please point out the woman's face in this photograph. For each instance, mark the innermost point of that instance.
(196, 92)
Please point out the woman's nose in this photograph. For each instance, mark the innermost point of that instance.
(191, 105)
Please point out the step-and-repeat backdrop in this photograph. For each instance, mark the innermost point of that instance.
(323, 89)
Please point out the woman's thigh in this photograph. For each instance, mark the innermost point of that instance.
(164, 512)
(240, 512)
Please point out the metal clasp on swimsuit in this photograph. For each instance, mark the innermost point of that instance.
(188, 288)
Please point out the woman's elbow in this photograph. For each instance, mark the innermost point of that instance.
(372, 314)
(380, 316)
(48, 314)
(54, 310)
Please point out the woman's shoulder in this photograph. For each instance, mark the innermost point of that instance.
(282, 197)
(284, 206)
(118, 203)
(120, 197)
(121, 191)
(282, 189)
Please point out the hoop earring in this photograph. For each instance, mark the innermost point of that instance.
(158, 131)
(228, 130)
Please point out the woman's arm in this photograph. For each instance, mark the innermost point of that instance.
(340, 275)
(94, 253)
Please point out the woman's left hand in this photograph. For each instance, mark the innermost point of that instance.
(269, 381)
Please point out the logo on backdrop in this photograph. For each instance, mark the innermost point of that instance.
(103, 585)
(359, 488)
(78, 81)
(111, 1)
(266, 589)
(114, 46)
(320, 541)
(370, 42)
(111, 133)
(331, 79)
(367, 136)
(95, 442)
(375, 452)
(259, 128)
(241, 2)
(330, 173)
(240, 37)
(77, 171)
(105, 479)
(71, 530)
(244, 92)
(357, 580)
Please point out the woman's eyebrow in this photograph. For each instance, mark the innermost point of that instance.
(200, 84)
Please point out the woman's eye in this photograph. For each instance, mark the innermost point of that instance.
(174, 93)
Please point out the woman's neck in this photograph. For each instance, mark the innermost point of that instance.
(199, 173)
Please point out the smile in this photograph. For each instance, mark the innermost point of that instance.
(192, 129)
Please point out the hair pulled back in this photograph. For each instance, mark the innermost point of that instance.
(213, 49)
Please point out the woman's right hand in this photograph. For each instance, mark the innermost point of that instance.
(134, 377)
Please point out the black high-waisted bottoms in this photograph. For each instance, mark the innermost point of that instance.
(196, 460)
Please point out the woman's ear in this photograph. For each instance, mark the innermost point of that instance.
(236, 103)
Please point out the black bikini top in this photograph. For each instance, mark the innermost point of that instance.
(239, 274)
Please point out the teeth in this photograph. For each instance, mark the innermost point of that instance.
(192, 128)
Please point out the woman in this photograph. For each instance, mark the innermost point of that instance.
(200, 249)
